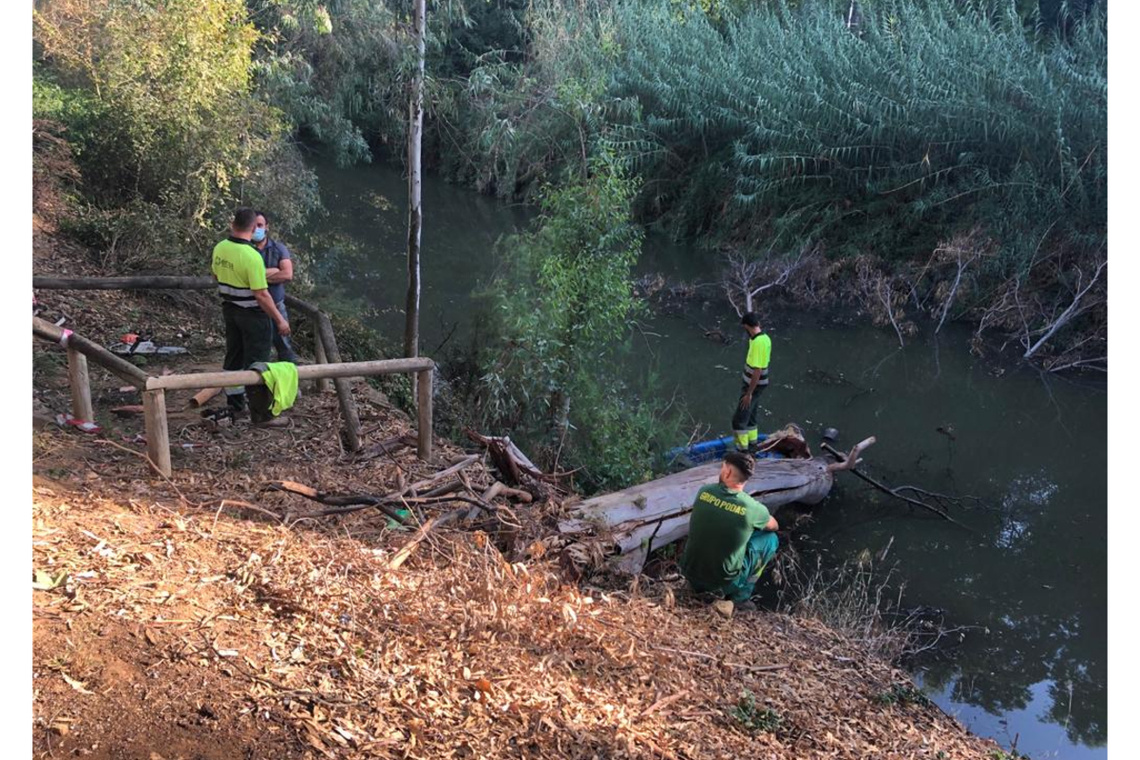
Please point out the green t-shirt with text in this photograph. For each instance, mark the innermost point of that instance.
(719, 528)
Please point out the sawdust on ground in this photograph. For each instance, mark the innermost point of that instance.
(202, 616)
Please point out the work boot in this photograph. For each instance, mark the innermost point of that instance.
(276, 422)
(749, 606)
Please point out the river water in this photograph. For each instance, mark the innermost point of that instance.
(1028, 584)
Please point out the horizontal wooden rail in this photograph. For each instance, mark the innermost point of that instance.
(140, 282)
(324, 338)
(154, 388)
(93, 351)
(304, 372)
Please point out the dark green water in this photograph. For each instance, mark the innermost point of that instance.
(1030, 583)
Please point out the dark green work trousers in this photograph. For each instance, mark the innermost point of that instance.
(747, 418)
(249, 339)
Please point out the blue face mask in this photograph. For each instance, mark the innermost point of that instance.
(258, 234)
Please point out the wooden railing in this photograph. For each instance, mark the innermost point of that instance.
(328, 367)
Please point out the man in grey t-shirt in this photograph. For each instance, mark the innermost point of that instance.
(278, 271)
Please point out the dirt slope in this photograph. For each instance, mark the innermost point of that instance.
(204, 628)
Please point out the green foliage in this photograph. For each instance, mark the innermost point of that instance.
(1013, 754)
(566, 294)
(359, 343)
(751, 717)
(156, 98)
(774, 126)
(616, 434)
(333, 70)
(900, 694)
(526, 124)
(340, 71)
(774, 120)
(879, 141)
(561, 306)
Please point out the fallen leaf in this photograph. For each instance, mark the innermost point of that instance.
(45, 582)
(79, 686)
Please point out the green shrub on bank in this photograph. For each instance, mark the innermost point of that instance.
(157, 101)
(934, 116)
(561, 307)
(776, 127)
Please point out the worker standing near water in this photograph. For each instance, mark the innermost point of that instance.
(248, 311)
(731, 535)
(745, 422)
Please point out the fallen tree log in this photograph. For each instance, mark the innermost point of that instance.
(514, 466)
(623, 527)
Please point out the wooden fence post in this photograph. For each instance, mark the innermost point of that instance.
(157, 433)
(423, 388)
(324, 385)
(77, 376)
(343, 389)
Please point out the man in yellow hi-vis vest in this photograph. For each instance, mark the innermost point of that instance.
(248, 311)
(745, 430)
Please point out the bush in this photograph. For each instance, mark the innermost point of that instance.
(774, 126)
(752, 718)
(560, 309)
(156, 97)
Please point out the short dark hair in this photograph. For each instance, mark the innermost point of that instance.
(262, 214)
(741, 462)
(752, 319)
(245, 218)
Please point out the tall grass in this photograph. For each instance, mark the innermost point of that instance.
(936, 116)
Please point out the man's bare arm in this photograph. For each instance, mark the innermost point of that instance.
(772, 525)
(283, 273)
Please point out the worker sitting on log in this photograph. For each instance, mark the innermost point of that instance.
(732, 537)
(745, 422)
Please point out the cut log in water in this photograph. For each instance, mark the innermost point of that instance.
(622, 524)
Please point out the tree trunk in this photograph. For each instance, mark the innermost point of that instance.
(415, 212)
(625, 523)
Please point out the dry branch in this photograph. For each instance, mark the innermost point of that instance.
(852, 459)
(348, 503)
(511, 463)
(387, 447)
(894, 492)
(406, 550)
(746, 278)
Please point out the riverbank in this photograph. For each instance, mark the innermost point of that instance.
(183, 617)
(180, 631)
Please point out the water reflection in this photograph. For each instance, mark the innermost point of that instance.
(1031, 582)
